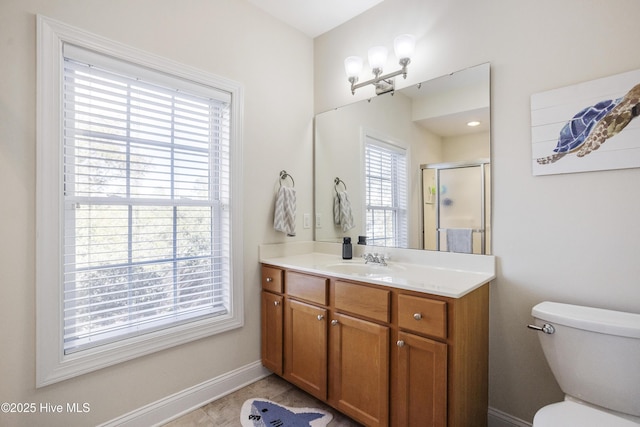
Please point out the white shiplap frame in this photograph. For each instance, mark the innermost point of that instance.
(52, 365)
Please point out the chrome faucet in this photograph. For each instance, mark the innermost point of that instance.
(375, 258)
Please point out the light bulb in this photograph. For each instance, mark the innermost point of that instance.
(404, 45)
(377, 57)
(353, 66)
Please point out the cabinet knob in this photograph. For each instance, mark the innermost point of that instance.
(334, 322)
(417, 316)
(276, 303)
(269, 279)
(400, 343)
(320, 316)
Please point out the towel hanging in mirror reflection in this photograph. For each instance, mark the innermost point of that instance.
(342, 213)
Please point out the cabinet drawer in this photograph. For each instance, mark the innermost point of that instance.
(272, 279)
(422, 315)
(306, 287)
(362, 300)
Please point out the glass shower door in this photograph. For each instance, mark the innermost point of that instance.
(456, 198)
(461, 204)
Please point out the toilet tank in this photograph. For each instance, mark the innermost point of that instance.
(594, 354)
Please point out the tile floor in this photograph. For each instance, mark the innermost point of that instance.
(226, 411)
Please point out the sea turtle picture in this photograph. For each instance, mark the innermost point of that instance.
(593, 125)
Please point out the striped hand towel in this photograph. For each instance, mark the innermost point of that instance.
(342, 214)
(284, 218)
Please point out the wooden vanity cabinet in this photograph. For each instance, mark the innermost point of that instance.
(305, 347)
(294, 328)
(359, 337)
(383, 356)
(272, 306)
(441, 337)
(272, 331)
(305, 333)
(359, 369)
(421, 378)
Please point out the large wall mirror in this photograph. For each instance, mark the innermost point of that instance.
(410, 168)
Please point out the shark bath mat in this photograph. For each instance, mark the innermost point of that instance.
(264, 413)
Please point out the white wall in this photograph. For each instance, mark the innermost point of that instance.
(572, 238)
(229, 38)
(461, 148)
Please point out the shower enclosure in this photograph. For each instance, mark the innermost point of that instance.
(456, 196)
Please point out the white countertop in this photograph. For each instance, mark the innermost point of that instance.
(421, 277)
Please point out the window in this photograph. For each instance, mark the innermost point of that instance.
(385, 193)
(139, 248)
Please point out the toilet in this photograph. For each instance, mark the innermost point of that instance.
(594, 355)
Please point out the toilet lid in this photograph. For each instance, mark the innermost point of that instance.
(572, 414)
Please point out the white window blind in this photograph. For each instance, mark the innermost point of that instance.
(146, 200)
(386, 193)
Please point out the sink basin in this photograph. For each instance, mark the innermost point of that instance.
(362, 269)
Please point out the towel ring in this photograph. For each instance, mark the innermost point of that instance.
(284, 175)
(338, 181)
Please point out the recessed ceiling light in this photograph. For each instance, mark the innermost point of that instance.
(473, 123)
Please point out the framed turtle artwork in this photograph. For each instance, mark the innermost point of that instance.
(589, 126)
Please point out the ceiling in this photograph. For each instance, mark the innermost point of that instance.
(446, 121)
(314, 17)
(455, 124)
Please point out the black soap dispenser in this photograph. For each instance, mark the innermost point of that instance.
(347, 249)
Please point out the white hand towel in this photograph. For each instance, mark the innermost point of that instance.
(345, 215)
(284, 218)
(459, 240)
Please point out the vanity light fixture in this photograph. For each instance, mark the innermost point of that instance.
(403, 45)
(473, 123)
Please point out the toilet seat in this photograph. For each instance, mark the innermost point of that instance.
(572, 414)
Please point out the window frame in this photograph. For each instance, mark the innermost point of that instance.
(52, 365)
(401, 220)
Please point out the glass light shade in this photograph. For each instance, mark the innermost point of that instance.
(404, 45)
(377, 57)
(353, 66)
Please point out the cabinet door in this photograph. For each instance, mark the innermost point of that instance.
(305, 345)
(359, 369)
(272, 317)
(422, 381)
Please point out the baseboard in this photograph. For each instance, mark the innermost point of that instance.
(498, 418)
(171, 407)
(178, 404)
